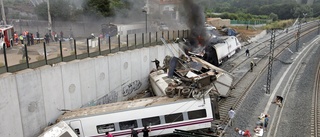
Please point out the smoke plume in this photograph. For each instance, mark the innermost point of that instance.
(196, 22)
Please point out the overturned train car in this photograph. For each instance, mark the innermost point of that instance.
(220, 49)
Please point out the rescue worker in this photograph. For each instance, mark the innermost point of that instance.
(21, 39)
(247, 53)
(251, 65)
(157, 62)
(38, 37)
(16, 38)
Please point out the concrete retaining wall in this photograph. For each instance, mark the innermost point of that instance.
(32, 98)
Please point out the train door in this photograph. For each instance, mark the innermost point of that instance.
(77, 127)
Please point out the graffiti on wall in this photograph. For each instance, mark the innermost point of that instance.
(131, 87)
(109, 98)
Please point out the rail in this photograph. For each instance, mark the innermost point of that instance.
(315, 112)
(65, 50)
(238, 97)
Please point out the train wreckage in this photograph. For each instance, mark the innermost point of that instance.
(187, 91)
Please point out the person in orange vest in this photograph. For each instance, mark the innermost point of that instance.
(16, 37)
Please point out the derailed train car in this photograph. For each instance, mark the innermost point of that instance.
(219, 50)
(161, 114)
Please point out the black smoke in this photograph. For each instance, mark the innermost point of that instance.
(195, 20)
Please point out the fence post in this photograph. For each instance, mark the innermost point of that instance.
(61, 55)
(5, 57)
(173, 35)
(135, 40)
(127, 41)
(149, 38)
(26, 52)
(168, 35)
(109, 44)
(119, 43)
(75, 49)
(88, 51)
(45, 53)
(99, 46)
(156, 37)
(142, 39)
(182, 33)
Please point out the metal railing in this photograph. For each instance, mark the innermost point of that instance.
(64, 50)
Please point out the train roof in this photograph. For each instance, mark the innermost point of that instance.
(120, 106)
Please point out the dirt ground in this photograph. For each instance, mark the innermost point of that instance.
(246, 34)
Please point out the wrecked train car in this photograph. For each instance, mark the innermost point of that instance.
(190, 78)
(218, 51)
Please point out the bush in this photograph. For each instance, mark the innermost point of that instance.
(40, 58)
(72, 53)
(22, 61)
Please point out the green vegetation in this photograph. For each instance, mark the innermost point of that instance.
(279, 24)
(279, 9)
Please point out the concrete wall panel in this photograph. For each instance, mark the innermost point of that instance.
(128, 87)
(115, 75)
(31, 98)
(31, 102)
(146, 66)
(52, 92)
(161, 54)
(87, 80)
(136, 68)
(102, 76)
(71, 84)
(10, 125)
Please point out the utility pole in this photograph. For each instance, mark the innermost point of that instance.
(3, 14)
(298, 36)
(272, 43)
(49, 17)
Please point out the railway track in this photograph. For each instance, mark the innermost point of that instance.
(235, 62)
(261, 52)
(315, 113)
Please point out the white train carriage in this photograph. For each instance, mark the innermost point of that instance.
(220, 52)
(161, 114)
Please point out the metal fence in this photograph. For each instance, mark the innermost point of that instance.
(23, 56)
(249, 22)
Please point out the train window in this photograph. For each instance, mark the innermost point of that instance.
(151, 121)
(128, 124)
(105, 128)
(173, 117)
(197, 114)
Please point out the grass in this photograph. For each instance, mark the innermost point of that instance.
(279, 24)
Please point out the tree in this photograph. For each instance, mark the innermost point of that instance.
(97, 7)
(59, 9)
(273, 16)
(105, 8)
